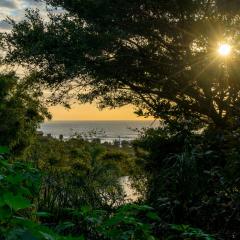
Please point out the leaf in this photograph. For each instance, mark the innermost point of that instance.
(2, 202)
(151, 238)
(3, 150)
(179, 227)
(63, 226)
(73, 238)
(5, 212)
(143, 207)
(43, 214)
(113, 221)
(47, 236)
(16, 178)
(20, 233)
(24, 191)
(208, 152)
(85, 209)
(16, 202)
(153, 216)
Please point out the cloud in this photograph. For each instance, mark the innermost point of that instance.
(29, 3)
(16, 10)
(12, 4)
(4, 25)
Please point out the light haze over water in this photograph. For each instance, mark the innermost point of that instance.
(105, 130)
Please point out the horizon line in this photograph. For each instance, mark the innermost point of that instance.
(75, 120)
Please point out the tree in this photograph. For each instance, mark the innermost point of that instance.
(20, 113)
(160, 55)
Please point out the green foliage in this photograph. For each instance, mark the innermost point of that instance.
(193, 178)
(20, 113)
(19, 185)
(78, 172)
(126, 223)
(191, 233)
(129, 221)
(4, 150)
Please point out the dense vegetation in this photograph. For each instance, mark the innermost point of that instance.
(20, 113)
(157, 55)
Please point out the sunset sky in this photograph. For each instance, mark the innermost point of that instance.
(15, 9)
(90, 112)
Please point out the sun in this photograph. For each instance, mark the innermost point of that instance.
(224, 49)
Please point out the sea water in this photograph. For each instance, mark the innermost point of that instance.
(105, 130)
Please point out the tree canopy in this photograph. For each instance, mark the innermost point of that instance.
(20, 113)
(159, 55)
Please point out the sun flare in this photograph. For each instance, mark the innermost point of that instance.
(224, 49)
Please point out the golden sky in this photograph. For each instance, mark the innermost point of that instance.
(90, 112)
(85, 111)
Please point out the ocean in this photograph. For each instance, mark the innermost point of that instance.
(107, 131)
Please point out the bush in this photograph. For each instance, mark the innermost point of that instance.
(19, 186)
(193, 178)
(20, 219)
